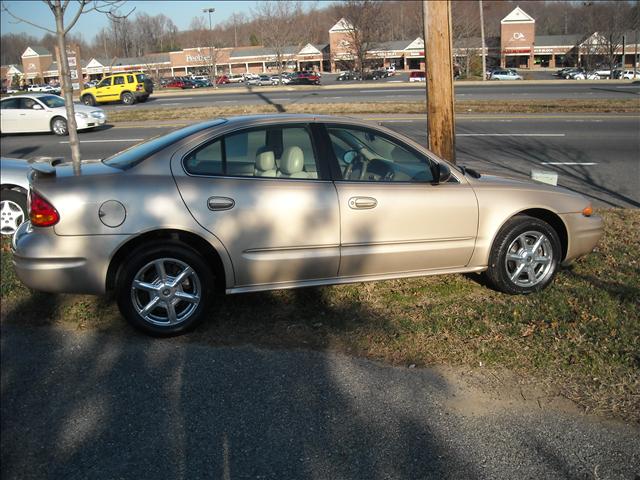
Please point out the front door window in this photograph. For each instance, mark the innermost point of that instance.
(366, 155)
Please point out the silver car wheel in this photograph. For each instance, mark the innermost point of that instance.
(60, 126)
(11, 216)
(529, 259)
(166, 292)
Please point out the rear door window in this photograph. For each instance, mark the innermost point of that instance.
(275, 151)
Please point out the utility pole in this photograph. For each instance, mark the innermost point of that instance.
(212, 69)
(484, 56)
(439, 75)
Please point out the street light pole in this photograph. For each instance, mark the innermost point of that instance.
(212, 69)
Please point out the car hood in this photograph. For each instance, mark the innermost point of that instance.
(79, 108)
(538, 194)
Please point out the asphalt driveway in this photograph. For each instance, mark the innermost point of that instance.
(78, 405)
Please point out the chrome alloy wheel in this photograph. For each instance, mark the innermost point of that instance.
(529, 259)
(11, 216)
(60, 126)
(166, 292)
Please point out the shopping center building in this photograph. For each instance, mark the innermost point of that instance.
(517, 47)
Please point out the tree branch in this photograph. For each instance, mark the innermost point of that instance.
(22, 20)
(83, 3)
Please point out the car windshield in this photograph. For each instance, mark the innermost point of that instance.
(132, 156)
(52, 101)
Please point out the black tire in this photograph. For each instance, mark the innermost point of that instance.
(128, 98)
(175, 257)
(59, 126)
(13, 211)
(88, 100)
(517, 238)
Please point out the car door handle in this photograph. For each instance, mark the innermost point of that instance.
(220, 203)
(362, 203)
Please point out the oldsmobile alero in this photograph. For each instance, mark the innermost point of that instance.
(269, 202)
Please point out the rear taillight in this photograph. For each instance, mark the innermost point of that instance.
(41, 212)
(139, 88)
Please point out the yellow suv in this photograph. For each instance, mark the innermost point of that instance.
(129, 87)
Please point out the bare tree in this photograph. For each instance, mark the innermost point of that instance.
(276, 22)
(366, 21)
(58, 9)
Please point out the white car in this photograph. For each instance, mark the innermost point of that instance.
(391, 71)
(586, 76)
(629, 75)
(42, 112)
(235, 78)
(43, 89)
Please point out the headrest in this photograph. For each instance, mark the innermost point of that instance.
(265, 160)
(399, 154)
(292, 161)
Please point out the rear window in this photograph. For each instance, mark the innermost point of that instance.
(132, 156)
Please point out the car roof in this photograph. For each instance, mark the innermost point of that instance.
(30, 95)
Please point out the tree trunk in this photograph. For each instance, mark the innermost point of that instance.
(67, 89)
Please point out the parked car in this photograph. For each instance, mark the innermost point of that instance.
(417, 76)
(222, 80)
(14, 188)
(43, 89)
(605, 71)
(128, 88)
(235, 78)
(505, 74)
(374, 74)
(249, 76)
(247, 204)
(348, 75)
(305, 78)
(586, 76)
(43, 112)
(283, 79)
(630, 74)
(261, 81)
(201, 83)
(391, 70)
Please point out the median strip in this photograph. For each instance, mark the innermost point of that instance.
(390, 107)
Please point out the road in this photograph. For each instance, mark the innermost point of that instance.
(597, 155)
(79, 405)
(387, 92)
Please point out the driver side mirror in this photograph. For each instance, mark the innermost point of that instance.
(443, 173)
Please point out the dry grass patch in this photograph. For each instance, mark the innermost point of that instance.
(533, 106)
(579, 337)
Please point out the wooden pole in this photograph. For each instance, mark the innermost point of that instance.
(484, 56)
(439, 75)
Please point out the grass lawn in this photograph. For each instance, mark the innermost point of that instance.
(580, 337)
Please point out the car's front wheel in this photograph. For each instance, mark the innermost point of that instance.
(164, 290)
(13, 211)
(524, 256)
(59, 126)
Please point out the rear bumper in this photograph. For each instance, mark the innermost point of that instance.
(47, 262)
(584, 234)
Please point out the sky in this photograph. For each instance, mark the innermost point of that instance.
(181, 12)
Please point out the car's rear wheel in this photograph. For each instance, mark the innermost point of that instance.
(128, 98)
(88, 100)
(524, 256)
(59, 126)
(13, 211)
(164, 290)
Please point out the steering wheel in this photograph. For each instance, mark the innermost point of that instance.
(388, 177)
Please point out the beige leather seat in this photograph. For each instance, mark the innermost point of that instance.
(265, 164)
(292, 163)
